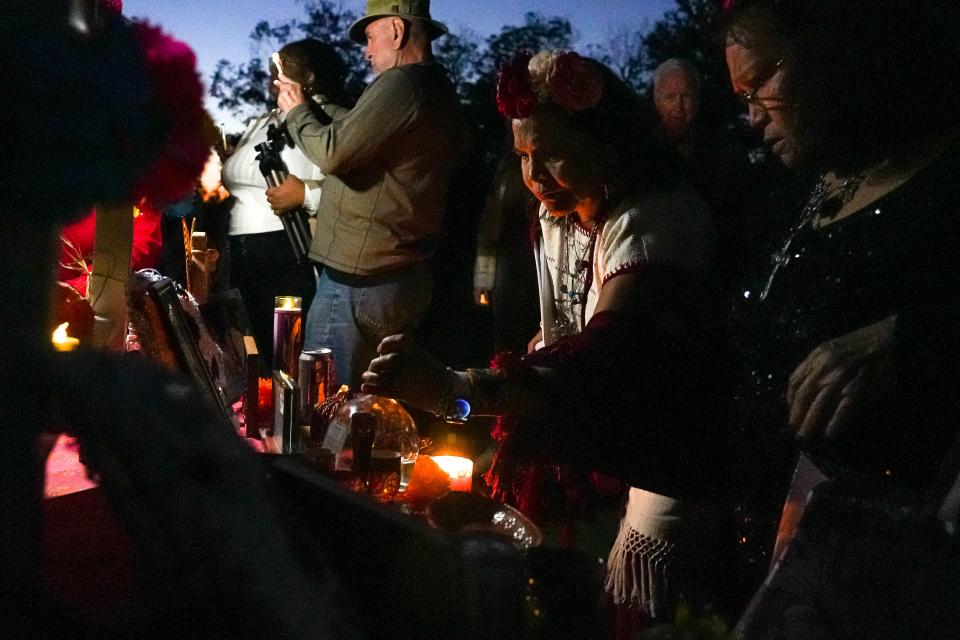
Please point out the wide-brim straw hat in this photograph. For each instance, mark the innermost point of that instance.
(409, 9)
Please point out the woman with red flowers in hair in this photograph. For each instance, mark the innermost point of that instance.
(619, 378)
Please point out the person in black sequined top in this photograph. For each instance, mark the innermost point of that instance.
(848, 343)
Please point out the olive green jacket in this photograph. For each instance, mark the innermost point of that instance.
(388, 163)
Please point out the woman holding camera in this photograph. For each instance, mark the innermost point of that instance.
(263, 265)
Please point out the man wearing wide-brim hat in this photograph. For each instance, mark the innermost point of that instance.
(409, 10)
(388, 163)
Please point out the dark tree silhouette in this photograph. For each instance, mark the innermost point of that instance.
(243, 88)
(537, 32)
(624, 52)
(460, 54)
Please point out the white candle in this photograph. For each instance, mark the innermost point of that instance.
(460, 471)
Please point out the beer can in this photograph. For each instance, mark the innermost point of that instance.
(316, 380)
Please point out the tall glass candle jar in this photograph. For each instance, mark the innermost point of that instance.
(287, 334)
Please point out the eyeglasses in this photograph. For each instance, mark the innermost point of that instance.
(750, 98)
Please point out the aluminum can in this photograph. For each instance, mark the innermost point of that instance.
(316, 380)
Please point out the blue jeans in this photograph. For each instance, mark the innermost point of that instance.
(351, 314)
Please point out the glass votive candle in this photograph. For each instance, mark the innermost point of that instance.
(287, 334)
(460, 471)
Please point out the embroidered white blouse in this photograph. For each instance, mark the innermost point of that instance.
(574, 262)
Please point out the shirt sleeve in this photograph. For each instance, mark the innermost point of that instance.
(669, 229)
(622, 246)
(362, 134)
(311, 195)
(302, 167)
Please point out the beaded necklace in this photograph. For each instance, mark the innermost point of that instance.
(822, 194)
(574, 281)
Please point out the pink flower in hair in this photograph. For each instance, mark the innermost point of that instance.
(567, 80)
(115, 6)
(575, 83)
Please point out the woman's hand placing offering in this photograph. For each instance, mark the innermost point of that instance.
(405, 371)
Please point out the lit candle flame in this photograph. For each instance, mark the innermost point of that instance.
(287, 303)
(61, 341)
(459, 469)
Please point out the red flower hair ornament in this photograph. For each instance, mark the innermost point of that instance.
(564, 78)
(515, 97)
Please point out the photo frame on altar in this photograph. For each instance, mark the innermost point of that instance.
(286, 400)
(807, 476)
(829, 511)
(227, 320)
(172, 337)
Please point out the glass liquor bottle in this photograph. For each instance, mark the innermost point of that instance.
(392, 451)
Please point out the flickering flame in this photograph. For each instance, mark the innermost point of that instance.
(459, 469)
(484, 299)
(61, 341)
(287, 303)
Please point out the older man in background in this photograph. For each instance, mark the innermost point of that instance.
(388, 163)
(716, 164)
(676, 95)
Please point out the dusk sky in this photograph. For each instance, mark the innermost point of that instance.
(218, 29)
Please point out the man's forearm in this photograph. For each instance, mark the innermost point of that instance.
(357, 137)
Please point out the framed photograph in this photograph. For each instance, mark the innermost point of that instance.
(227, 321)
(252, 413)
(172, 332)
(286, 401)
(840, 556)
